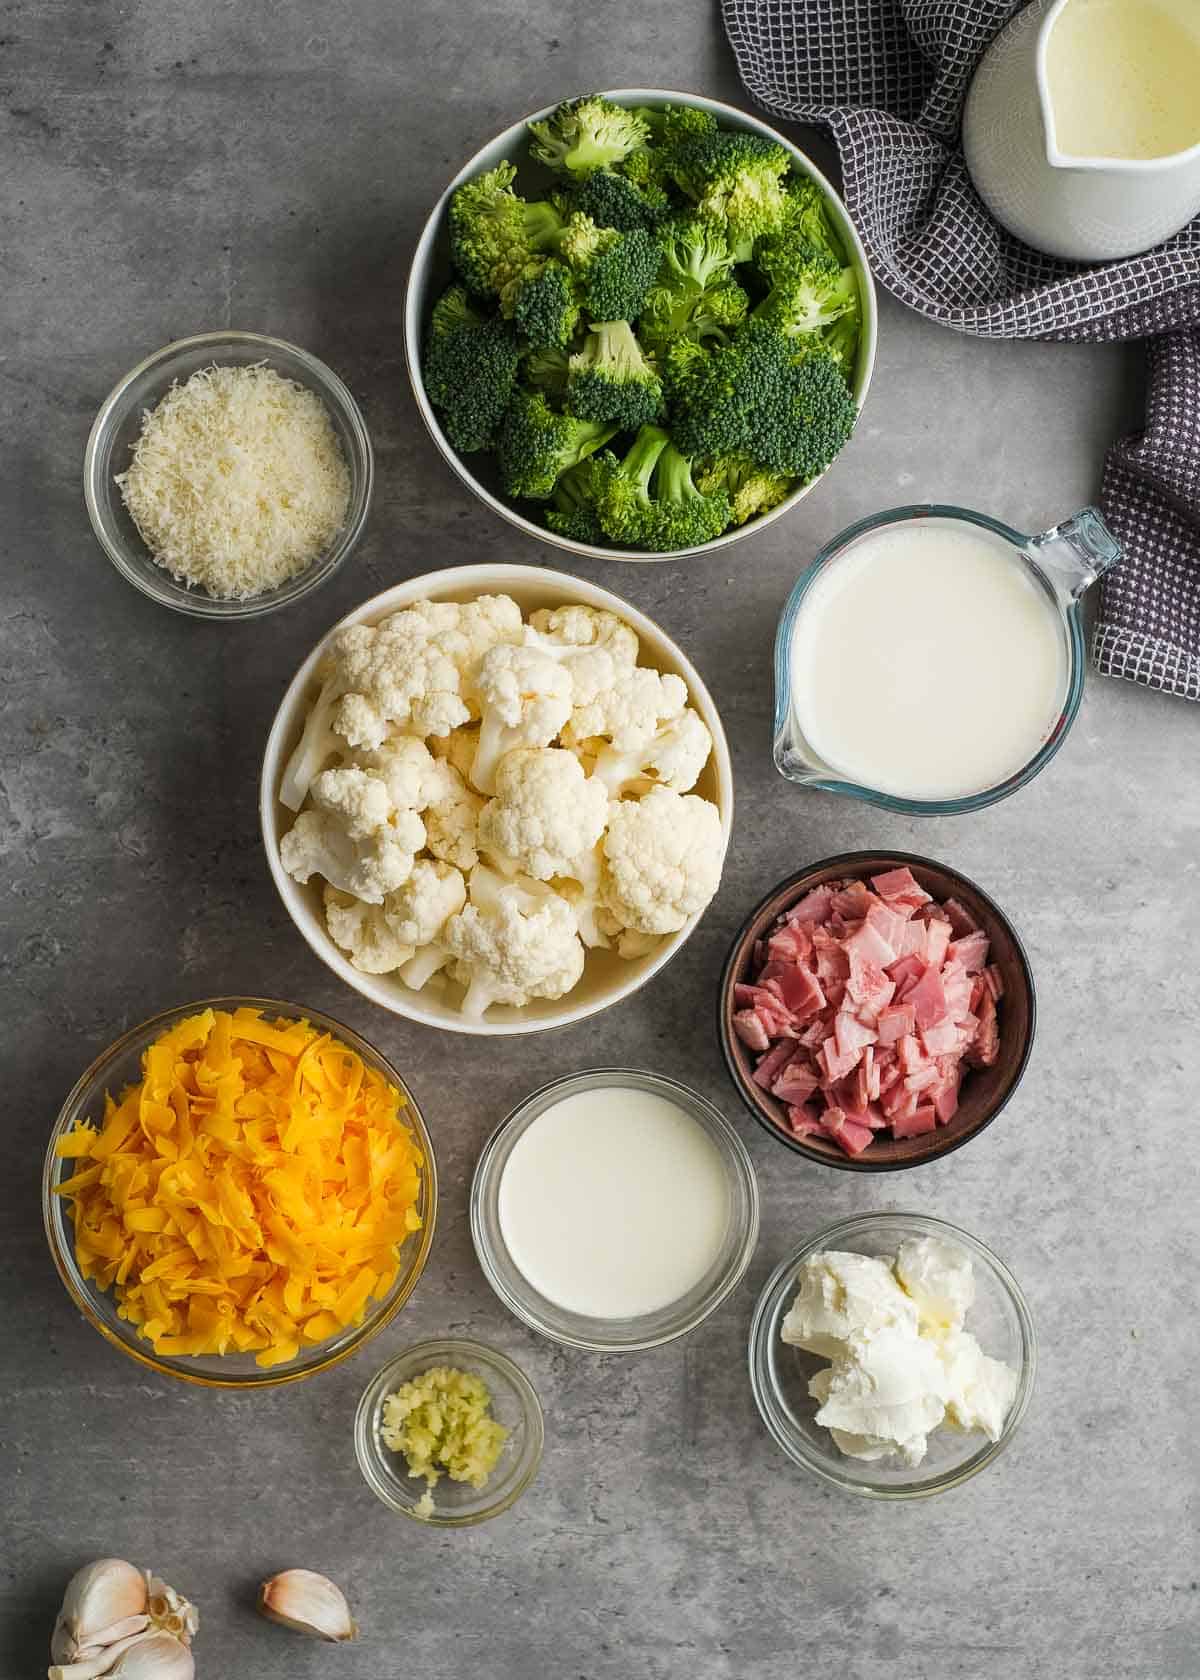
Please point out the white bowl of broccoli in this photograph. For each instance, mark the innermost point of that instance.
(351, 891)
(640, 325)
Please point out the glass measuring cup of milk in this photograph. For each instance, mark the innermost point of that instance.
(930, 659)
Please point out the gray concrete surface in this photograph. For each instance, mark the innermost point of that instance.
(171, 166)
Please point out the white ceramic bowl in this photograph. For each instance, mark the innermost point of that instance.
(607, 978)
(430, 274)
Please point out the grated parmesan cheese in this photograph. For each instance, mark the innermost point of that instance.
(238, 481)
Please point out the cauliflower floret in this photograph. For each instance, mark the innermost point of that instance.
(628, 941)
(418, 911)
(353, 836)
(395, 676)
(546, 812)
(525, 698)
(662, 859)
(673, 757)
(585, 627)
(465, 631)
(451, 820)
(318, 745)
(628, 714)
(365, 933)
(505, 954)
(414, 778)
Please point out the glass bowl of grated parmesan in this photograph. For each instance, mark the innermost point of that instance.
(228, 474)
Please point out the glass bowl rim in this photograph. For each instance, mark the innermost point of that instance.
(799, 1146)
(1077, 659)
(735, 1158)
(776, 1287)
(434, 1348)
(166, 591)
(63, 1253)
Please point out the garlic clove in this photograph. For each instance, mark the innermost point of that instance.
(99, 1598)
(66, 1649)
(169, 1611)
(301, 1599)
(156, 1656)
(101, 1661)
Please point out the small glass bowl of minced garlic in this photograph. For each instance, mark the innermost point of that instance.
(449, 1433)
(228, 475)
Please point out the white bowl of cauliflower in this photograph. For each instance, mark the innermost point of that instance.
(496, 799)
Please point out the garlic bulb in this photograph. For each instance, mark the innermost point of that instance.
(105, 1601)
(308, 1602)
(122, 1622)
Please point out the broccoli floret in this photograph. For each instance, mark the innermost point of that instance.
(615, 270)
(587, 134)
(675, 124)
(841, 341)
(686, 516)
(809, 290)
(694, 295)
(494, 234)
(469, 369)
(751, 489)
(544, 304)
(613, 201)
(546, 370)
(536, 445)
(735, 179)
(572, 512)
(787, 412)
(610, 379)
(620, 490)
(805, 220)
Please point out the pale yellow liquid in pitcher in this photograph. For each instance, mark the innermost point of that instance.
(1124, 77)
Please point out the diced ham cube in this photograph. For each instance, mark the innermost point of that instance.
(750, 1030)
(871, 1071)
(922, 1119)
(912, 943)
(928, 998)
(910, 1054)
(971, 951)
(941, 1039)
(744, 996)
(796, 1083)
(946, 1101)
(771, 1010)
(899, 1103)
(798, 989)
(994, 981)
(790, 944)
(937, 942)
(898, 888)
(984, 1048)
(773, 1063)
(815, 1034)
(804, 1122)
(853, 900)
(959, 989)
(831, 961)
(849, 1033)
(852, 1137)
(868, 985)
(813, 908)
(867, 945)
(968, 1026)
(833, 1063)
(924, 1079)
(888, 924)
(960, 918)
(906, 969)
(895, 1021)
(889, 1073)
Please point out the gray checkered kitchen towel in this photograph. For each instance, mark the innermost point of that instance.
(887, 79)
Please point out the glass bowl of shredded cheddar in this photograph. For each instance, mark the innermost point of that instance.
(240, 1193)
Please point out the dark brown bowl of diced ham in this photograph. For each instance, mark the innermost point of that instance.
(876, 1011)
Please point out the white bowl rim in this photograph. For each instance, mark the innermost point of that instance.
(413, 325)
(456, 581)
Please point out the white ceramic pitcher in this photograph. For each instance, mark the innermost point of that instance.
(1087, 207)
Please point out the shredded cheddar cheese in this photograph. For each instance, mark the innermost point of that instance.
(250, 1194)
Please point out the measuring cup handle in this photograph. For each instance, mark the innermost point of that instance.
(1077, 552)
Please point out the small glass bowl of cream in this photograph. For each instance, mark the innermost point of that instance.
(780, 1373)
(614, 1210)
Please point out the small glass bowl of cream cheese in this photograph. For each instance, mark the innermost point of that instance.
(780, 1373)
(614, 1210)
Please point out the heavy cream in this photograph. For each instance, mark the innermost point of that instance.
(1124, 77)
(927, 662)
(614, 1203)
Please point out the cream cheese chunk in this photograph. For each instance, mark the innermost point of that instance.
(901, 1363)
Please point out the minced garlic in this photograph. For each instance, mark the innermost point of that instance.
(250, 1193)
(238, 481)
(442, 1423)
